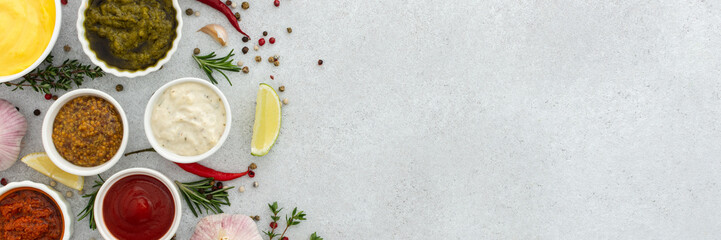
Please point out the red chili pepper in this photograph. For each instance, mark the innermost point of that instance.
(204, 171)
(221, 7)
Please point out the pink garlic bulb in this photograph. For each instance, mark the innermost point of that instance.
(12, 130)
(226, 227)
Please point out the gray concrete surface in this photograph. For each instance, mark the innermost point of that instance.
(460, 119)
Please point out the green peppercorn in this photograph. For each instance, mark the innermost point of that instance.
(189, 11)
(237, 16)
(196, 51)
(276, 63)
(119, 87)
(245, 5)
(271, 59)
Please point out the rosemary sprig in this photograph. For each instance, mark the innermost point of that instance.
(201, 194)
(88, 210)
(209, 64)
(56, 78)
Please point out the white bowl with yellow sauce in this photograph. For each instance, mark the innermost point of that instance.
(28, 32)
(187, 120)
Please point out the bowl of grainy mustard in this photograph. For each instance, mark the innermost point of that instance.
(85, 132)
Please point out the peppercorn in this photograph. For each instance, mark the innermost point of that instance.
(256, 218)
(272, 78)
(245, 5)
(255, 184)
(201, 191)
(4, 181)
(271, 59)
(253, 166)
(189, 11)
(255, 47)
(284, 238)
(245, 39)
(320, 62)
(240, 63)
(48, 96)
(196, 51)
(233, 5)
(265, 33)
(219, 185)
(241, 189)
(271, 40)
(285, 101)
(53, 183)
(245, 69)
(281, 88)
(69, 194)
(209, 197)
(36, 112)
(212, 183)
(55, 97)
(197, 14)
(119, 87)
(228, 2)
(66, 48)
(245, 50)
(290, 30)
(258, 58)
(273, 225)
(237, 16)
(276, 57)
(276, 3)
(276, 63)
(261, 41)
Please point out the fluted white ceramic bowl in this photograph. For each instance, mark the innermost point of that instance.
(124, 72)
(48, 48)
(63, 205)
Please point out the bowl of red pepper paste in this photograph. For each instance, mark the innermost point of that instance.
(138, 203)
(31, 210)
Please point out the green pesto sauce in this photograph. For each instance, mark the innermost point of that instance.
(130, 34)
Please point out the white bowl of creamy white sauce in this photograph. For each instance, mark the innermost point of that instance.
(187, 120)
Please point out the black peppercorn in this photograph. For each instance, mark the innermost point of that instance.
(245, 50)
(209, 197)
(265, 33)
(189, 11)
(320, 62)
(36, 112)
(219, 185)
(196, 51)
(245, 39)
(228, 2)
(237, 16)
(119, 87)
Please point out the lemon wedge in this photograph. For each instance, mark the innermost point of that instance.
(267, 120)
(41, 163)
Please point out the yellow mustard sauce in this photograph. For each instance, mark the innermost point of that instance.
(26, 27)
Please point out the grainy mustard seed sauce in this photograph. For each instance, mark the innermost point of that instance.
(87, 131)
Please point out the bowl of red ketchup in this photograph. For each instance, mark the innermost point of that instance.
(138, 203)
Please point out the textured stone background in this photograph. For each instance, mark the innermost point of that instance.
(460, 119)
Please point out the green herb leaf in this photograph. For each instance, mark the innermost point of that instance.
(315, 237)
(209, 64)
(62, 77)
(88, 210)
(191, 192)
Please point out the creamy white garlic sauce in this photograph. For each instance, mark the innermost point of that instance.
(188, 119)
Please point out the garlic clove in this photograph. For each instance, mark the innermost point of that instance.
(13, 127)
(217, 32)
(226, 226)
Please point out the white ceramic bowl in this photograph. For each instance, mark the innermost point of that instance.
(169, 154)
(98, 205)
(54, 195)
(48, 48)
(123, 72)
(47, 134)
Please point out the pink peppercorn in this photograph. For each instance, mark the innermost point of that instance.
(48, 96)
(64, 2)
(261, 41)
(276, 3)
(271, 40)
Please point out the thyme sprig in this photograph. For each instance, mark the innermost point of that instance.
(88, 210)
(295, 218)
(209, 64)
(55, 78)
(201, 194)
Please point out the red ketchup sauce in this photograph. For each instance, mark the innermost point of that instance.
(138, 207)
